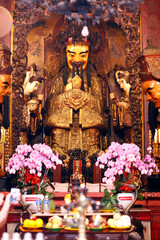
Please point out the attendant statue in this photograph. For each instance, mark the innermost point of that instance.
(75, 106)
(149, 71)
(31, 82)
(5, 85)
(32, 100)
(5, 72)
(121, 113)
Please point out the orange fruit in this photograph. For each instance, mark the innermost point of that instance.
(39, 222)
(48, 225)
(25, 222)
(31, 224)
(55, 225)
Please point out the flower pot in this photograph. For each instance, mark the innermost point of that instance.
(31, 200)
(125, 199)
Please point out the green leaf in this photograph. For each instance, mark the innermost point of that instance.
(107, 206)
(140, 196)
(109, 199)
(106, 193)
(114, 197)
(50, 196)
(51, 185)
(114, 201)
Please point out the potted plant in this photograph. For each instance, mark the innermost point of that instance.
(31, 165)
(109, 200)
(123, 167)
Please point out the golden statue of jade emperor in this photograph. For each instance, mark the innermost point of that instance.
(75, 106)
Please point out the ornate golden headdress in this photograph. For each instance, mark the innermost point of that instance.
(72, 35)
(149, 63)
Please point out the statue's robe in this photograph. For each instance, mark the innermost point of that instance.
(75, 118)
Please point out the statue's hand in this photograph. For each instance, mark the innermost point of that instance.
(33, 105)
(40, 97)
(76, 82)
(112, 96)
(122, 104)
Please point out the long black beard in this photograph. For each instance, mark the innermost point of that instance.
(66, 73)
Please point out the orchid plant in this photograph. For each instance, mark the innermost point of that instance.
(122, 163)
(32, 165)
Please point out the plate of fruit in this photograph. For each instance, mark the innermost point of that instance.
(97, 223)
(71, 228)
(55, 223)
(33, 222)
(101, 227)
(71, 222)
(55, 228)
(119, 221)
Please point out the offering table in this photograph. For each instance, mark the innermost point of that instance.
(147, 213)
(107, 234)
(116, 234)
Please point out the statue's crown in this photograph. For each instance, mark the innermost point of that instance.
(83, 41)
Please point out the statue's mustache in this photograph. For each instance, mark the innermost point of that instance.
(77, 64)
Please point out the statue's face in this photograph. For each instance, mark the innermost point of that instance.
(121, 77)
(122, 83)
(5, 83)
(152, 90)
(32, 87)
(77, 53)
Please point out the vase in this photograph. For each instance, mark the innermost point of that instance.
(125, 199)
(30, 199)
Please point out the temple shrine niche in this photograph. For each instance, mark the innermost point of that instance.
(85, 81)
(38, 44)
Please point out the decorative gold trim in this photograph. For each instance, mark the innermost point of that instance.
(7, 147)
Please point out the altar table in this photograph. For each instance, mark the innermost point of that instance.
(107, 234)
(141, 214)
(147, 213)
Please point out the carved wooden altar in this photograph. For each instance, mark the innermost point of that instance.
(28, 20)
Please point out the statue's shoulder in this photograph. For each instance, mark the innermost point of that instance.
(93, 69)
(57, 85)
(95, 78)
(59, 75)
